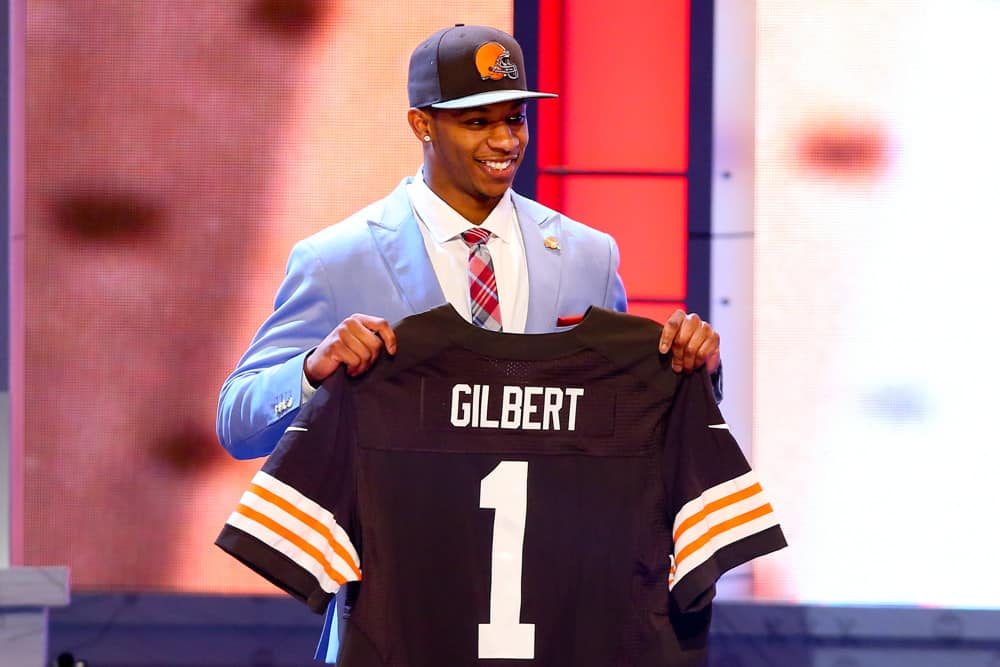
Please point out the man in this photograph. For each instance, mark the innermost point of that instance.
(406, 253)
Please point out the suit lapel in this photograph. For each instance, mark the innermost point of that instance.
(544, 264)
(398, 238)
(402, 246)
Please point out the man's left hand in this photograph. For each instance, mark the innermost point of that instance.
(694, 342)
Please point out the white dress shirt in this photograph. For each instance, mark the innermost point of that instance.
(441, 227)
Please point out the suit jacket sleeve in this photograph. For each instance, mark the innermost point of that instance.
(614, 296)
(261, 396)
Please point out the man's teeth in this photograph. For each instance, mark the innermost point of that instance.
(500, 166)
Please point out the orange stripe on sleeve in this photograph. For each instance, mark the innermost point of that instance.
(714, 506)
(293, 538)
(310, 521)
(746, 517)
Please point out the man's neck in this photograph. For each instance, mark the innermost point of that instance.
(473, 209)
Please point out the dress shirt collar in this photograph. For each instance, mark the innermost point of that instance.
(445, 223)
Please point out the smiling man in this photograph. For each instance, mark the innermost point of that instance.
(454, 233)
(478, 150)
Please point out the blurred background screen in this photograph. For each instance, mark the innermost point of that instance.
(875, 272)
(176, 149)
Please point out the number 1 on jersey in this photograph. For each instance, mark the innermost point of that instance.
(505, 490)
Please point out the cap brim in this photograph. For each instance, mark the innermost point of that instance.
(492, 97)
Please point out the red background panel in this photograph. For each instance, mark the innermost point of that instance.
(622, 73)
(548, 132)
(648, 218)
(625, 85)
(655, 310)
(549, 189)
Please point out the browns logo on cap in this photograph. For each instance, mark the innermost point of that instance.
(468, 66)
(493, 62)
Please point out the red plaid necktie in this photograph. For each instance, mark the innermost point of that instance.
(482, 283)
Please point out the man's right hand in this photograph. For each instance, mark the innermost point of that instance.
(356, 342)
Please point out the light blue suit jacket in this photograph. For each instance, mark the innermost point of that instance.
(375, 262)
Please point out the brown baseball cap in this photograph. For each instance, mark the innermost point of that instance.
(468, 66)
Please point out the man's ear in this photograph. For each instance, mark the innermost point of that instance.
(420, 123)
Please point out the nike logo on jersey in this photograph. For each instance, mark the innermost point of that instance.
(724, 426)
(525, 408)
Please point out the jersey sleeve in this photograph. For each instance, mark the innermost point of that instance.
(722, 517)
(294, 523)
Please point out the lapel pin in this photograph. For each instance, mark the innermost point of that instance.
(552, 243)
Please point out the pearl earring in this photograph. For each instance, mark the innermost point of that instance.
(427, 137)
